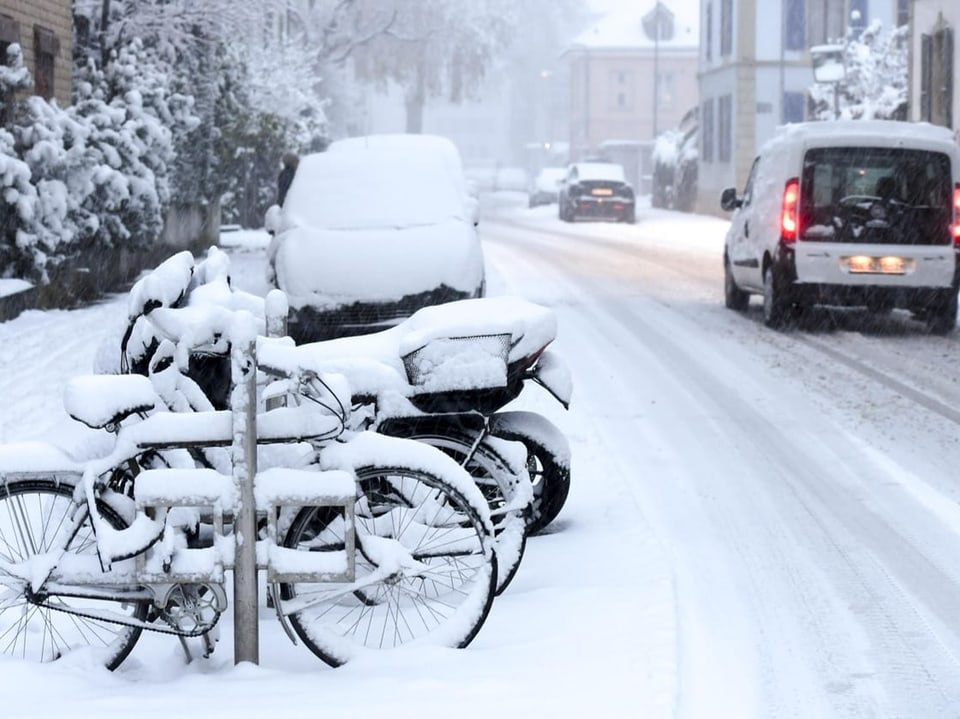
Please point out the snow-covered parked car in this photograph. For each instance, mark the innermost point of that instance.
(852, 213)
(546, 186)
(372, 230)
(596, 190)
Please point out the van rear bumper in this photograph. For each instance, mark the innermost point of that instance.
(910, 298)
(817, 277)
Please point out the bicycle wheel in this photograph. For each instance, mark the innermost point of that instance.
(39, 515)
(498, 484)
(425, 568)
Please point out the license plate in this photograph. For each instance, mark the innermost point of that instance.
(603, 191)
(865, 265)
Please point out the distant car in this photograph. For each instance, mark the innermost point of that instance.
(511, 179)
(372, 230)
(546, 186)
(596, 190)
(848, 213)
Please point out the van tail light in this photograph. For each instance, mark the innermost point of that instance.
(956, 216)
(790, 215)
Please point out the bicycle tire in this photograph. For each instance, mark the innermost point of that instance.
(489, 471)
(443, 603)
(32, 512)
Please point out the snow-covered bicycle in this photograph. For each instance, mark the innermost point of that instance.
(368, 542)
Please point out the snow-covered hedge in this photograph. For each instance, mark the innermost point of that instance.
(89, 177)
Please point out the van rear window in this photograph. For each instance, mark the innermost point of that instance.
(876, 195)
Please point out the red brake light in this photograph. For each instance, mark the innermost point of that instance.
(956, 215)
(790, 216)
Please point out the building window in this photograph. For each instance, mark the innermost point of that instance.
(825, 21)
(707, 131)
(726, 27)
(46, 47)
(858, 16)
(936, 77)
(793, 106)
(9, 34)
(795, 31)
(724, 127)
(665, 90)
(708, 33)
(621, 89)
(903, 12)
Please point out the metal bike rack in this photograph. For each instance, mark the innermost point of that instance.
(242, 497)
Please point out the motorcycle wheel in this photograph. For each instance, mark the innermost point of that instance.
(548, 463)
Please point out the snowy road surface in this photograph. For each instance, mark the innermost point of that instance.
(761, 524)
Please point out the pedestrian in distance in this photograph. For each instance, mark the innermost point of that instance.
(290, 162)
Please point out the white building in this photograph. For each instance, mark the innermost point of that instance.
(755, 70)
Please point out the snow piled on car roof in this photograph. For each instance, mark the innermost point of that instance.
(375, 186)
(600, 171)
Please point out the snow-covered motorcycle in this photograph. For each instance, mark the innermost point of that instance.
(398, 394)
(368, 541)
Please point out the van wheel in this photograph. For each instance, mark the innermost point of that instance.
(733, 296)
(777, 310)
(943, 319)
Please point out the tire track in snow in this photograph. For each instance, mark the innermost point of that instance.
(893, 618)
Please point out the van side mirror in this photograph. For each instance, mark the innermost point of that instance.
(729, 200)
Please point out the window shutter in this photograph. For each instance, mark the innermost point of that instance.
(926, 71)
(946, 59)
(9, 31)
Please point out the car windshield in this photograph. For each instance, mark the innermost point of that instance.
(888, 195)
(367, 188)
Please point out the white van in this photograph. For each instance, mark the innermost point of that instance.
(850, 213)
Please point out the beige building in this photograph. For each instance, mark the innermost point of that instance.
(934, 63)
(43, 28)
(633, 75)
(756, 71)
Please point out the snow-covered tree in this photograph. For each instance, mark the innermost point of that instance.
(875, 85)
(437, 48)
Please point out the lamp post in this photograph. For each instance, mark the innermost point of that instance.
(829, 63)
(656, 66)
(829, 68)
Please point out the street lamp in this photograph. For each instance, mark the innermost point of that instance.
(829, 63)
(829, 68)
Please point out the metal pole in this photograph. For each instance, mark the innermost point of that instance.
(246, 628)
(783, 60)
(656, 66)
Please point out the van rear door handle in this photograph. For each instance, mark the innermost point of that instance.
(746, 228)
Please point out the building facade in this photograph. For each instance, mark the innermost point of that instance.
(631, 77)
(43, 29)
(934, 63)
(755, 73)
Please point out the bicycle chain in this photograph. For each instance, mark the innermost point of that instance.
(174, 631)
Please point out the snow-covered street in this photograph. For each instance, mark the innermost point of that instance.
(760, 524)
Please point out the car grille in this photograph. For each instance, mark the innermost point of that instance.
(309, 324)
